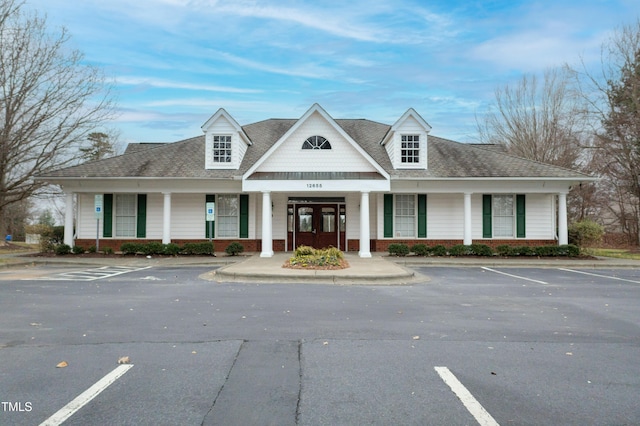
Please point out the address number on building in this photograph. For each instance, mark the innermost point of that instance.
(314, 185)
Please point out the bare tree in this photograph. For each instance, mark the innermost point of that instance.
(612, 95)
(537, 121)
(49, 102)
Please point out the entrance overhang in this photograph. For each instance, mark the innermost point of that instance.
(316, 182)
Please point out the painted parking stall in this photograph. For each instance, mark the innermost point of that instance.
(93, 274)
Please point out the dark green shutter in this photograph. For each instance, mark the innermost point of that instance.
(388, 215)
(244, 216)
(210, 198)
(141, 228)
(520, 216)
(422, 215)
(107, 208)
(487, 231)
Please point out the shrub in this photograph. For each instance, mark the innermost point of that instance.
(459, 250)
(503, 250)
(586, 233)
(234, 249)
(171, 249)
(92, 249)
(57, 234)
(62, 249)
(522, 251)
(398, 249)
(197, 248)
(438, 250)
(570, 250)
(131, 248)
(420, 249)
(545, 251)
(77, 250)
(152, 247)
(108, 250)
(325, 257)
(304, 251)
(480, 250)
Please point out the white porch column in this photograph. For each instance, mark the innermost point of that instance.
(365, 242)
(68, 219)
(563, 233)
(267, 231)
(467, 219)
(166, 219)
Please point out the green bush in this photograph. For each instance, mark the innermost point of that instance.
(420, 249)
(108, 250)
(152, 248)
(503, 250)
(77, 250)
(570, 250)
(197, 249)
(57, 234)
(62, 249)
(585, 233)
(438, 250)
(171, 249)
(131, 248)
(480, 250)
(398, 249)
(459, 250)
(92, 249)
(234, 249)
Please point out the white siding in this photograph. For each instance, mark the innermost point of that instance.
(155, 211)
(291, 157)
(86, 225)
(187, 216)
(353, 216)
(540, 216)
(445, 216)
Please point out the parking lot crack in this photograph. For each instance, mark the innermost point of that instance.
(226, 379)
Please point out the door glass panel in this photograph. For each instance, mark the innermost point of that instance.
(343, 219)
(290, 219)
(328, 219)
(305, 219)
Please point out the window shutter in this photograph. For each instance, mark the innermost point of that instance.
(141, 225)
(244, 215)
(209, 233)
(422, 215)
(520, 216)
(107, 224)
(487, 231)
(388, 215)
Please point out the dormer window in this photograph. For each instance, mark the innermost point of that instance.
(410, 149)
(221, 148)
(316, 142)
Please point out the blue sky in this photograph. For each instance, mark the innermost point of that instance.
(175, 62)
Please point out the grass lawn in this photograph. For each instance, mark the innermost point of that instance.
(617, 253)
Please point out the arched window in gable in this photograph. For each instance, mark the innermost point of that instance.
(316, 142)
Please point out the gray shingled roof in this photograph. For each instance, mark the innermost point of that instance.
(186, 159)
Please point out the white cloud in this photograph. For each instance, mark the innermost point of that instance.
(168, 84)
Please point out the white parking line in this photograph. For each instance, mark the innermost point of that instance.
(514, 276)
(598, 275)
(481, 415)
(81, 400)
(90, 274)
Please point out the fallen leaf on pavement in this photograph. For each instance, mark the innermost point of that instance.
(123, 360)
(62, 364)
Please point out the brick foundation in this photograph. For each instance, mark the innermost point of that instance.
(279, 245)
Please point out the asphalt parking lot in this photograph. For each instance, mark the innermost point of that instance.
(522, 346)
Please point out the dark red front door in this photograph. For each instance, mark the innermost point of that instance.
(316, 225)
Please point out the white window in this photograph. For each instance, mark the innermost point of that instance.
(221, 148)
(410, 149)
(503, 216)
(405, 216)
(316, 142)
(227, 207)
(125, 215)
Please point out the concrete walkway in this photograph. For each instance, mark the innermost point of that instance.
(381, 269)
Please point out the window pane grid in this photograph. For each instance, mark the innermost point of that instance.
(125, 215)
(227, 206)
(410, 149)
(503, 216)
(405, 216)
(221, 149)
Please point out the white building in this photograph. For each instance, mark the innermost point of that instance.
(354, 184)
